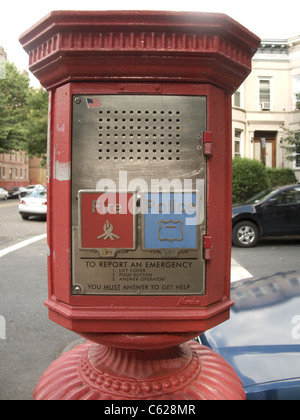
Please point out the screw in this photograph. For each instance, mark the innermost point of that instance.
(77, 289)
(77, 100)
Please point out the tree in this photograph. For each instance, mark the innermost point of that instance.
(13, 97)
(292, 150)
(23, 114)
(293, 140)
(36, 124)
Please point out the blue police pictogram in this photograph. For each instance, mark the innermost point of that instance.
(170, 230)
(167, 221)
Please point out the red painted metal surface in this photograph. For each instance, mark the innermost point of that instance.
(176, 315)
(157, 53)
(186, 372)
(151, 53)
(139, 46)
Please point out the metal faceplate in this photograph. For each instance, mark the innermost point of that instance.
(149, 147)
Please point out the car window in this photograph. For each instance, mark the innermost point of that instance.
(38, 194)
(260, 196)
(291, 196)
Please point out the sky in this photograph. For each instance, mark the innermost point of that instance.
(275, 19)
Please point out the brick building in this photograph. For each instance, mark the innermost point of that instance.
(14, 169)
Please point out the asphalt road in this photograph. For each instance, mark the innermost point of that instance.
(31, 341)
(270, 256)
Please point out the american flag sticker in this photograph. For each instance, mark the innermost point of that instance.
(93, 103)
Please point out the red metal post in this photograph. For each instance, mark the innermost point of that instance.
(95, 55)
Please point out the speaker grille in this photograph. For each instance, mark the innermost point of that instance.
(139, 135)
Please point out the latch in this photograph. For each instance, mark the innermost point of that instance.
(207, 143)
(208, 249)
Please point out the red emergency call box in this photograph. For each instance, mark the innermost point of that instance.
(139, 170)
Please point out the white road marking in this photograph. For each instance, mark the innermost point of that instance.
(238, 272)
(19, 245)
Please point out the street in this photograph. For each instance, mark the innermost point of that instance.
(272, 255)
(31, 341)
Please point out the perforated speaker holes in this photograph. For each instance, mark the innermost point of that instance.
(139, 135)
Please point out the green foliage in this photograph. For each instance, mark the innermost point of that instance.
(249, 177)
(13, 97)
(292, 138)
(36, 124)
(292, 149)
(281, 176)
(23, 114)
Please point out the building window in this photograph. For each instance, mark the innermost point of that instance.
(296, 91)
(3, 172)
(297, 157)
(10, 173)
(238, 98)
(265, 94)
(238, 145)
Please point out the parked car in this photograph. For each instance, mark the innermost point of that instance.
(261, 341)
(3, 194)
(17, 192)
(34, 204)
(31, 188)
(273, 212)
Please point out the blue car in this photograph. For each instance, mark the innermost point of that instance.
(262, 338)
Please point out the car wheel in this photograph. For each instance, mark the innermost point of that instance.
(24, 217)
(245, 234)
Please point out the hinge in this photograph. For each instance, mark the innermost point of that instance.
(208, 249)
(207, 143)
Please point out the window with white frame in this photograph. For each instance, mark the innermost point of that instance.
(265, 94)
(238, 98)
(238, 143)
(297, 160)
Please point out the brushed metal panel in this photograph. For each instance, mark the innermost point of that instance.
(137, 142)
